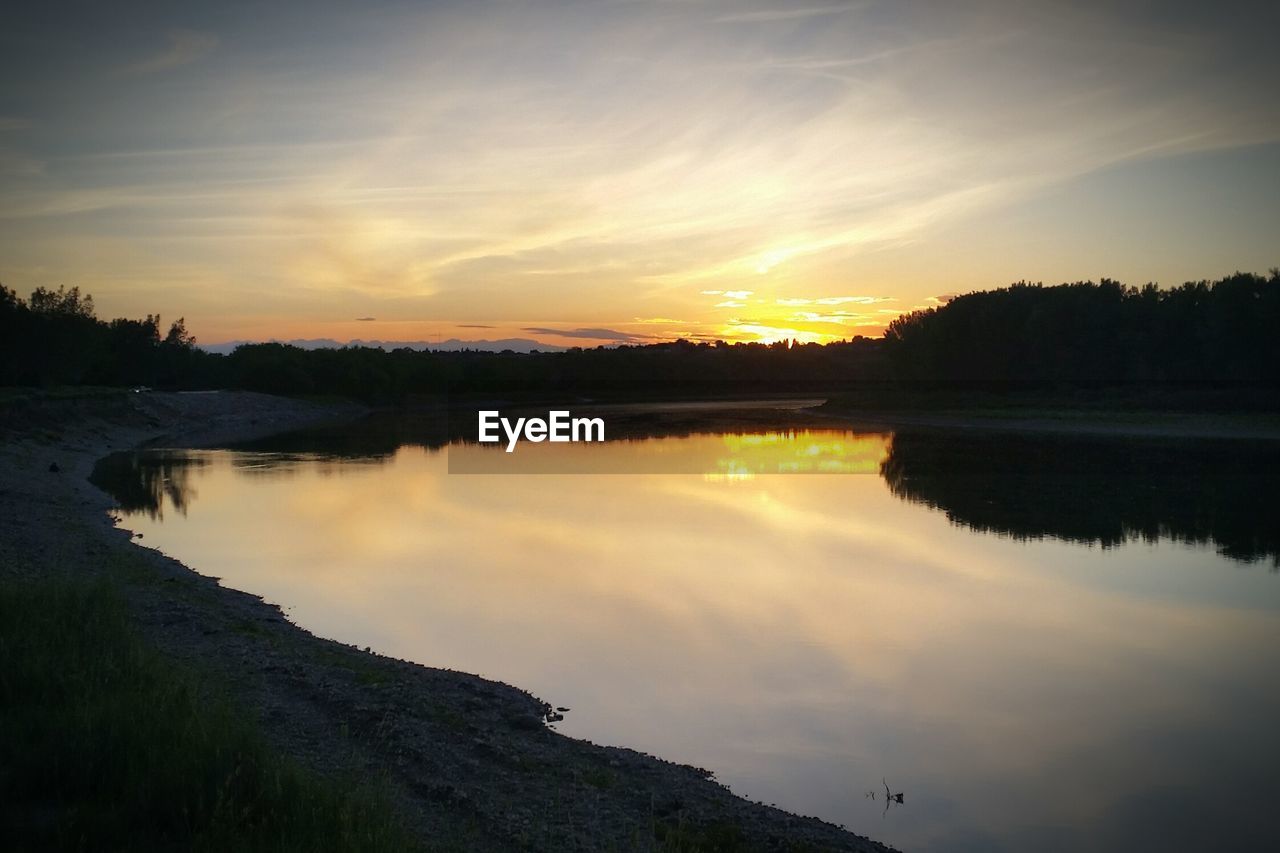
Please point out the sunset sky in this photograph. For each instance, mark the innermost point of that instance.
(597, 172)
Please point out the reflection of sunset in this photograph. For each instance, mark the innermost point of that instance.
(730, 455)
(800, 452)
(796, 634)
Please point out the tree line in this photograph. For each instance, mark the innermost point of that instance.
(1206, 332)
(1084, 333)
(54, 338)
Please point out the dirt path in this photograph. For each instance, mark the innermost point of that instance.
(470, 761)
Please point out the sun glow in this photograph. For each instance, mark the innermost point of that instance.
(774, 334)
(773, 258)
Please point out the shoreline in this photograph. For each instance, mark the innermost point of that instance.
(467, 761)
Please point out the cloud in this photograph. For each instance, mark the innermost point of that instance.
(768, 15)
(14, 164)
(591, 334)
(365, 319)
(832, 300)
(859, 300)
(841, 317)
(185, 47)
(474, 326)
(731, 303)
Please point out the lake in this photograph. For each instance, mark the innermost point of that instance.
(1043, 642)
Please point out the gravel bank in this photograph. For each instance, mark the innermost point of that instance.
(470, 761)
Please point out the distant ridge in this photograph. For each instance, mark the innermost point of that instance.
(451, 345)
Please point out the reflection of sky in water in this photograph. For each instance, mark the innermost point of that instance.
(736, 456)
(802, 636)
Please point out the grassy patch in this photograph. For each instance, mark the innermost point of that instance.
(107, 746)
(680, 837)
(600, 777)
(367, 671)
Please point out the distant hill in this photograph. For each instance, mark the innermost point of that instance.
(451, 345)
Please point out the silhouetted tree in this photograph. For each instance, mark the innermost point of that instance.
(63, 302)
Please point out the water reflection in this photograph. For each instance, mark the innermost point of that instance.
(141, 483)
(1103, 491)
(810, 637)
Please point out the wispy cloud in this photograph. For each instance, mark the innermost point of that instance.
(185, 47)
(783, 14)
(16, 164)
(611, 335)
(832, 300)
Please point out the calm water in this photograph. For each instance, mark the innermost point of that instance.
(1045, 644)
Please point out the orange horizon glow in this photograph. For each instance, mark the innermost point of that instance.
(570, 174)
(427, 333)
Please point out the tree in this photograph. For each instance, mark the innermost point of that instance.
(179, 336)
(63, 302)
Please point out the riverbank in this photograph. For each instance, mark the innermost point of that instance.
(468, 763)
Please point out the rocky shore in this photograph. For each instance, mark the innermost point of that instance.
(469, 762)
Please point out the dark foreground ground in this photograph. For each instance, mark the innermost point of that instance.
(325, 735)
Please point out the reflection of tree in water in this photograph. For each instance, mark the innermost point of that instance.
(141, 481)
(1097, 490)
(374, 438)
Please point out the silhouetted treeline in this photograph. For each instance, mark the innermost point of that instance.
(1096, 333)
(54, 339)
(374, 374)
(1104, 491)
(1080, 334)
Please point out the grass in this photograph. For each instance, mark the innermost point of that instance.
(105, 745)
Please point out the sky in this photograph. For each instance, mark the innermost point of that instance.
(624, 171)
